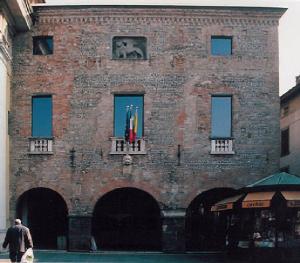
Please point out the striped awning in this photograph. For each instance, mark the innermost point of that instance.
(292, 198)
(258, 200)
(226, 204)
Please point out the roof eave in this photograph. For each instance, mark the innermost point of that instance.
(20, 11)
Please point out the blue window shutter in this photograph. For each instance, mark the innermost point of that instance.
(221, 116)
(221, 45)
(120, 103)
(42, 116)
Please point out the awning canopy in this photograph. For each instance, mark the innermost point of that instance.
(292, 198)
(258, 200)
(277, 179)
(226, 204)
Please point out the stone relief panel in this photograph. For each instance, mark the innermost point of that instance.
(124, 47)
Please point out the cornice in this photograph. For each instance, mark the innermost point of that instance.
(19, 14)
(231, 17)
(167, 20)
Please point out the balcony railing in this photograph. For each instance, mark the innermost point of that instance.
(40, 146)
(120, 146)
(222, 146)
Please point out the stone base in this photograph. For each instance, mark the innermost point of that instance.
(80, 233)
(173, 235)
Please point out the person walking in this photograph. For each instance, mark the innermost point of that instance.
(19, 239)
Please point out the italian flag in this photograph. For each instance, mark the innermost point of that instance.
(127, 127)
(133, 127)
(135, 123)
(131, 130)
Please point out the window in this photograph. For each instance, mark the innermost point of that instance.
(42, 116)
(285, 111)
(121, 103)
(42, 45)
(285, 169)
(221, 116)
(285, 149)
(221, 45)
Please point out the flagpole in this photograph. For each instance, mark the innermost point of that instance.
(127, 129)
(135, 126)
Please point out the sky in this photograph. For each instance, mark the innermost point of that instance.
(289, 36)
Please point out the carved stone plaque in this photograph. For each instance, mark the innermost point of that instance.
(129, 48)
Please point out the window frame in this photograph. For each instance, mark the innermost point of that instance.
(143, 112)
(215, 37)
(231, 116)
(39, 37)
(287, 152)
(32, 122)
(285, 169)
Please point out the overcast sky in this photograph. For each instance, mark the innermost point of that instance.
(289, 36)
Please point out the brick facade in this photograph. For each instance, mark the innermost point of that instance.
(177, 80)
(289, 103)
(14, 18)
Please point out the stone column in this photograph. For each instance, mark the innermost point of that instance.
(173, 230)
(80, 228)
(4, 154)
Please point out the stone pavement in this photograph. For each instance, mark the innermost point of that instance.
(124, 257)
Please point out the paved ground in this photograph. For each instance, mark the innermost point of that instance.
(123, 257)
(153, 257)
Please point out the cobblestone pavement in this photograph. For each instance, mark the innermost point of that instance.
(123, 257)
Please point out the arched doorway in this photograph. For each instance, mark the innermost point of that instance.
(127, 219)
(205, 231)
(45, 212)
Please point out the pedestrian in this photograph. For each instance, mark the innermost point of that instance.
(19, 240)
(233, 232)
(254, 250)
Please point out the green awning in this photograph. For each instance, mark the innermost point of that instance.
(277, 179)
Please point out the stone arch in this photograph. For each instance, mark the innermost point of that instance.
(45, 212)
(203, 230)
(146, 187)
(127, 219)
(22, 190)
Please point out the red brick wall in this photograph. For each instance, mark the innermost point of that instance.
(177, 80)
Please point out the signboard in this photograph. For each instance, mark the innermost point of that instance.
(293, 203)
(256, 204)
(221, 207)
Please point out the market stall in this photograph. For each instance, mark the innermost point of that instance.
(267, 212)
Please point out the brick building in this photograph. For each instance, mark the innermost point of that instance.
(15, 17)
(290, 127)
(204, 81)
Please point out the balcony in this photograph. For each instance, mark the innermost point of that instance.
(40, 145)
(222, 146)
(119, 146)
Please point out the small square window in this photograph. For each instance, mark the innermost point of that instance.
(285, 111)
(285, 169)
(42, 45)
(221, 46)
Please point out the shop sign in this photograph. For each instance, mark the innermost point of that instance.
(256, 204)
(223, 207)
(294, 203)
